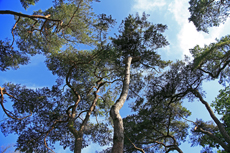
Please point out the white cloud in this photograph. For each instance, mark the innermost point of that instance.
(147, 5)
(188, 37)
(179, 9)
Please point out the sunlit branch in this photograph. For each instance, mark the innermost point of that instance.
(12, 31)
(46, 136)
(140, 149)
(7, 112)
(33, 17)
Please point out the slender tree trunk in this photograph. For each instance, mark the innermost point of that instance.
(79, 134)
(213, 116)
(118, 138)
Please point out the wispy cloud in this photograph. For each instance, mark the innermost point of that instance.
(186, 35)
(147, 5)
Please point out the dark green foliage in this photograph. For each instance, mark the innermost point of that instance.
(99, 131)
(47, 106)
(199, 138)
(176, 83)
(183, 81)
(140, 38)
(208, 13)
(70, 24)
(59, 113)
(213, 59)
(158, 126)
(162, 104)
(9, 57)
(26, 3)
(222, 102)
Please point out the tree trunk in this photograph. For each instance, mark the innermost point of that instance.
(118, 138)
(216, 139)
(79, 134)
(215, 119)
(78, 142)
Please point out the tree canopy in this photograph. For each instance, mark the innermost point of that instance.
(208, 13)
(96, 79)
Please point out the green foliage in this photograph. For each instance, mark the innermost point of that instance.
(158, 124)
(69, 24)
(9, 57)
(47, 106)
(199, 138)
(222, 106)
(26, 3)
(47, 36)
(213, 59)
(222, 101)
(59, 112)
(140, 38)
(208, 13)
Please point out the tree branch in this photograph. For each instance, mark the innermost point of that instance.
(211, 113)
(7, 112)
(140, 149)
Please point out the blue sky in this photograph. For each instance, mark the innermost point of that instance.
(181, 34)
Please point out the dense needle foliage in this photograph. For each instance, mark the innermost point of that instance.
(92, 77)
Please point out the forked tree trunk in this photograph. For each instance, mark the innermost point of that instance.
(118, 138)
(79, 134)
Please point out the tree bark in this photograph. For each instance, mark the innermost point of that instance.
(213, 116)
(28, 16)
(118, 138)
(178, 149)
(79, 134)
(78, 142)
(174, 148)
(216, 139)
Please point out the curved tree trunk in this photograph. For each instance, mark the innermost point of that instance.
(118, 138)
